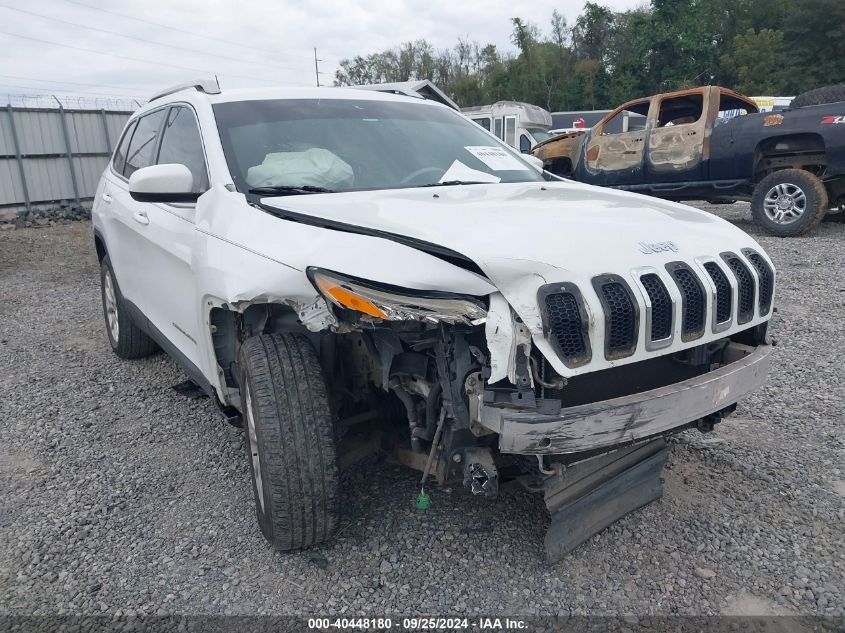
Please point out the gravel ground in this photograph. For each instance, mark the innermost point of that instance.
(118, 495)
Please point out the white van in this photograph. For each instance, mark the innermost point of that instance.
(520, 125)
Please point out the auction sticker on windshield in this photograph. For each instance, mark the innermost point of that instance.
(496, 158)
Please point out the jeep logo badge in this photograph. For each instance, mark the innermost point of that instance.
(658, 247)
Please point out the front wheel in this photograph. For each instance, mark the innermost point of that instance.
(789, 202)
(290, 440)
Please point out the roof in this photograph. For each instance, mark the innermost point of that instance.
(195, 92)
(422, 88)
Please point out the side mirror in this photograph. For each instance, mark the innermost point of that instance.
(535, 162)
(163, 183)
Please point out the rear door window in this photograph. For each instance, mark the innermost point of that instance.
(142, 147)
(181, 143)
(119, 160)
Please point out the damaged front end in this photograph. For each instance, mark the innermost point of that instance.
(395, 349)
(483, 405)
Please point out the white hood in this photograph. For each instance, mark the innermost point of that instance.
(524, 235)
(558, 225)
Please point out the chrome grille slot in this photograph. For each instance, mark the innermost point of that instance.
(724, 292)
(765, 278)
(621, 316)
(693, 300)
(661, 307)
(745, 287)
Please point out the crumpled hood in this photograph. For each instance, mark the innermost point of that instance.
(556, 228)
(525, 235)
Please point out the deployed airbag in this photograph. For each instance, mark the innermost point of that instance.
(316, 167)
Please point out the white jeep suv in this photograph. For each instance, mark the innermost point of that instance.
(346, 271)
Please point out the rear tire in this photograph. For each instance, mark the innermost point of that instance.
(127, 339)
(789, 202)
(289, 439)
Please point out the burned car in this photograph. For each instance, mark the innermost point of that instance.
(349, 272)
(711, 143)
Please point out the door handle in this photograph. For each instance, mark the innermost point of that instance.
(141, 217)
(105, 197)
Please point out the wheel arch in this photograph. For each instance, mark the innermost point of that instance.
(232, 324)
(805, 150)
(100, 246)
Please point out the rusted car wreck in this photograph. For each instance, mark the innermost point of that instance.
(711, 143)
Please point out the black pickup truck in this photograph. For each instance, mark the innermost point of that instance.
(711, 143)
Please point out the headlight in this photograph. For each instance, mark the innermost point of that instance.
(394, 304)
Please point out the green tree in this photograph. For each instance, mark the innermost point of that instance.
(814, 38)
(756, 63)
(592, 31)
(629, 56)
(606, 57)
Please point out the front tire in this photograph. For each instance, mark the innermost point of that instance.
(127, 339)
(789, 202)
(290, 440)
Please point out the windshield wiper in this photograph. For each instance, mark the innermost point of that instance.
(447, 183)
(287, 190)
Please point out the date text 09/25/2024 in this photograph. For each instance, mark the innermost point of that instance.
(417, 624)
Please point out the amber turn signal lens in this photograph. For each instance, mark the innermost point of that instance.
(347, 299)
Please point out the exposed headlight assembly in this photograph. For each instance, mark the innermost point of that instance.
(396, 304)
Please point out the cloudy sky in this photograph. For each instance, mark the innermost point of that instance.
(127, 48)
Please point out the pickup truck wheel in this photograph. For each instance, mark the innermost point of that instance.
(127, 339)
(290, 440)
(789, 202)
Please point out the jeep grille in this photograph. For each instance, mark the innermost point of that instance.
(766, 279)
(724, 293)
(620, 316)
(693, 301)
(566, 324)
(745, 287)
(706, 304)
(661, 307)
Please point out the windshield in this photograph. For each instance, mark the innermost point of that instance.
(349, 145)
(539, 133)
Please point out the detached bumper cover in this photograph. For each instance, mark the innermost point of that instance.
(609, 423)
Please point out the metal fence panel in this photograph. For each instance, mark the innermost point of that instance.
(39, 133)
(116, 122)
(88, 172)
(59, 154)
(10, 182)
(48, 179)
(7, 147)
(86, 132)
